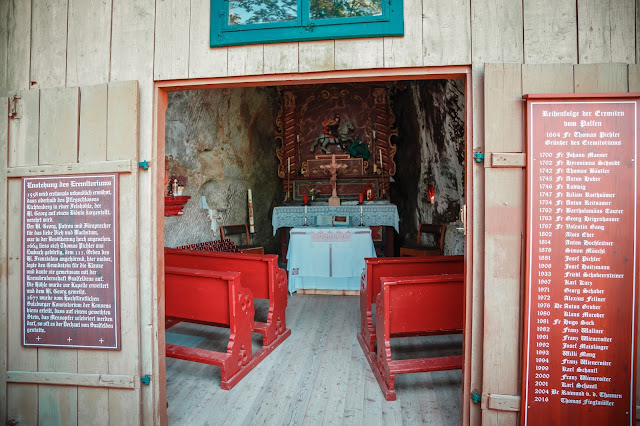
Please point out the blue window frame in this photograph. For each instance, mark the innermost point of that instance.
(238, 22)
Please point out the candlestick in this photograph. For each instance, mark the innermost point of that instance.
(380, 158)
(305, 216)
(361, 216)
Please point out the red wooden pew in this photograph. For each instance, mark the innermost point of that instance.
(376, 268)
(215, 298)
(260, 274)
(416, 306)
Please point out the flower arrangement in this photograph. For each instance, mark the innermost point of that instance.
(314, 192)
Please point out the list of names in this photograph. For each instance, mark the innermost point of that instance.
(581, 262)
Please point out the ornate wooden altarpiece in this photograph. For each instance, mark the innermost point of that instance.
(311, 117)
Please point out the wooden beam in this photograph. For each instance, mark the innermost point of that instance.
(118, 166)
(508, 159)
(497, 402)
(74, 379)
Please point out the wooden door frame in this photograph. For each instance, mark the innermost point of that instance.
(160, 101)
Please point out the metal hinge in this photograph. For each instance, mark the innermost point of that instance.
(476, 397)
(478, 156)
(144, 165)
(13, 106)
(145, 379)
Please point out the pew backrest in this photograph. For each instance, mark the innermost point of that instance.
(376, 268)
(258, 270)
(422, 304)
(201, 295)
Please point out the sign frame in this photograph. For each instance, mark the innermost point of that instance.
(115, 270)
(529, 327)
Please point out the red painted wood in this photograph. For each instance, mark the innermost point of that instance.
(413, 310)
(425, 365)
(260, 274)
(202, 295)
(581, 295)
(422, 305)
(376, 268)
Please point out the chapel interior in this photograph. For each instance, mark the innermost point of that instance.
(404, 142)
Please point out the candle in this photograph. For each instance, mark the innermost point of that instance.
(374, 135)
(380, 158)
(288, 164)
(252, 228)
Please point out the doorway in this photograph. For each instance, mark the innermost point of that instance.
(416, 77)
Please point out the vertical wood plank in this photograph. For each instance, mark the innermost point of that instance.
(406, 51)
(496, 31)
(552, 78)
(504, 231)
(22, 403)
(446, 30)
(606, 31)
(22, 400)
(172, 39)
(24, 132)
(122, 144)
(4, 45)
(57, 405)
(204, 61)
(93, 124)
(4, 323)
(316, 56)
(132, 58)
(18, 45)
(550, 34)
(600, 78)
(92, 146)
(132, 40)
(280, 58)
(49, 43)
(360, 53)
(503, 108)
(58, 144)
(89, 42)
(246, 60)
(59, 112)
(477, 233)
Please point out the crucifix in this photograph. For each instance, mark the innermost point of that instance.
(333, 168)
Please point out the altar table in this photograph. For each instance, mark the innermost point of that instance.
(328, 258)
(373, 214)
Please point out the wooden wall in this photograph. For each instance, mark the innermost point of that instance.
(549, 45)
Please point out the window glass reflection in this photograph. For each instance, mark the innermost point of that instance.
(323, 9)
(262, 11)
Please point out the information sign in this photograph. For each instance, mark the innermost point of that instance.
(581, 293)
(70, 262)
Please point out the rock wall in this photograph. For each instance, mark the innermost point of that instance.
(223, 142)
(431, 147)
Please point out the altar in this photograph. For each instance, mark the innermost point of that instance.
(372, 214)
(328, 258)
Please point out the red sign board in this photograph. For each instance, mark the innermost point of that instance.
(581, 292)
(70, 294)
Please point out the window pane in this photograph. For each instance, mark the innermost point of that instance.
(261, 11)
(322, 9)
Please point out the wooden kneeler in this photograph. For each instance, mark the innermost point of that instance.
(213, 298)
(416, 306)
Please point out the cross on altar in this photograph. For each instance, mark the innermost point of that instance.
(69, 339)
(101, 340)
(333, 168)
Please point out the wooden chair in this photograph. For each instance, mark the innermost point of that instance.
(437, 249)
(227, 230)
